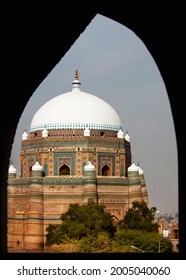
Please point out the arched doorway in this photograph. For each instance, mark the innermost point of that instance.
(106, 170)
(30, 171)
(64, 170)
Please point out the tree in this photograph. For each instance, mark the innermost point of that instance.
(53, 235)
(140, 217)
(91, 244)
(147, 242)
(81, 221)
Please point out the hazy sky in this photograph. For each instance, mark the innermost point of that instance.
(115, 65)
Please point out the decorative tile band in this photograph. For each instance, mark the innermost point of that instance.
(112, 181)
(75, 180)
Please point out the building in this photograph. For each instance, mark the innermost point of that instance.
(170, 229)
(174, 236)
(76, 149)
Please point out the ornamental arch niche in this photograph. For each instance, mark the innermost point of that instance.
(41, 47)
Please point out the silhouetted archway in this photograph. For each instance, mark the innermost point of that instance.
(64, 170)
(34, 68)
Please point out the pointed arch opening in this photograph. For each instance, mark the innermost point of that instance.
(25, 105)
(30, 171)
(106, 171)
(115, 219)
(64, 170)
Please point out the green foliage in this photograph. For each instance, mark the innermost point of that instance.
(101, 243)
(145, 241)
(70, 246)
(79, 222)
(139, 217)
(124, 241)
(89, 228)
(53, 235)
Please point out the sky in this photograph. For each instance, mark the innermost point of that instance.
(115, 65)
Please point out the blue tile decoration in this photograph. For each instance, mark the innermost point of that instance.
(60, 158)
(45, 169)
(101, 158)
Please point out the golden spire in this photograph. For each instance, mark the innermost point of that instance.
(76, 75)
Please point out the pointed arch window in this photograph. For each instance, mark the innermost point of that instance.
(64, 170)
(106, 171)
(30, 171)
(115, 219)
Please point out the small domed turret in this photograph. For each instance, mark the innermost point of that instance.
(37, 169)
(140, 171)
(25, 135)
(133, 167)
(127, 137)
(89, 183)
(44, 132)
(89, 167)
(87, 132)
(12, 172)
(120, 134)
(12, 169)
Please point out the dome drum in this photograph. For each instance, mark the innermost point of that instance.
(75, 125)
(74, 132)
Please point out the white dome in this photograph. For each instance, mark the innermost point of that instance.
(37, 167)
(45, 133)
(76, 110)
(87, 132)
(133, 167)
(120, 134)
(127, 137)
(25, 135)
(89, 167)
(140, 171)
(12, 169)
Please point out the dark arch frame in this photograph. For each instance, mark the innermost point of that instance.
(33, 44)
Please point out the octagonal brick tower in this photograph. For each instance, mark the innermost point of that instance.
(76, 149)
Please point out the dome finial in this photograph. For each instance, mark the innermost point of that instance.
(76, 83)
(76, 75)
